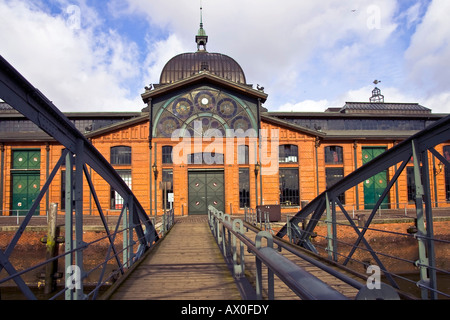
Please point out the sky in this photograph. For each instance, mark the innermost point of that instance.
(92, 55)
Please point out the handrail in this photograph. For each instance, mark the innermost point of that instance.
(416, 147)
(301, 282)
(28, 100)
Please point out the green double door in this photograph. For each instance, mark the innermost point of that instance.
(374, 186)
(25, 180)
(205, 188)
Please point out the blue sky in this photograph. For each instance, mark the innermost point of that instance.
(90, 55)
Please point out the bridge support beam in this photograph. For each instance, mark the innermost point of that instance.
(426, 262)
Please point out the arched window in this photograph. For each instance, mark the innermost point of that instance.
(167, 155)
(120, 155)
(288, 153)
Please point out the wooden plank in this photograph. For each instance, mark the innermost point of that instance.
(186, 265)
(282, 291)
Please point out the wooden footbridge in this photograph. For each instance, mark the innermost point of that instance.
(217, 256)
(201, 268)
(177, 269)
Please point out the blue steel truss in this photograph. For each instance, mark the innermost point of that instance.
(25, 98)
(417, 147)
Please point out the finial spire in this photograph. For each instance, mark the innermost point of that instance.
(201, 38)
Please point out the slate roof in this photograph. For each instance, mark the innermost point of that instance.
(383, 107)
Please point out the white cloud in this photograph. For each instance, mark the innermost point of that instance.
(159, 54)
(305, 106)
(428, 55)
(78, 69)
(308, 55)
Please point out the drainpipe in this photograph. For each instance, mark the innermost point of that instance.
(150, 137)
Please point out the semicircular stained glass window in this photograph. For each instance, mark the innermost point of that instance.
(203, 112)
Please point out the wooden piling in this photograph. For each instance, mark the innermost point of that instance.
(51, 252)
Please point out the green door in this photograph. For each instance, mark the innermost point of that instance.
(25, 179)
(25, 189)
(205, 188)
(374, 186)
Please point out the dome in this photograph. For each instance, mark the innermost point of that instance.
(187, 64)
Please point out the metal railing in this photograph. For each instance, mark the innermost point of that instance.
(396, 251)
(231, 239)
(103, 267)
(137, 231)
(302, 226)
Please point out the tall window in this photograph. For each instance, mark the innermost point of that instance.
(333, 175)
(289, 187)
(288, 153)
(167, 155)
(244, 188)
(242, 154)
(167, 187)
(334, 170)
(120, 155)
(116, 199)
(411, 183)
(447, 173)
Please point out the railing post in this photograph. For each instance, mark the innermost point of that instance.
(288, 226)
(238, 267)
(226, 243)
(270, 278)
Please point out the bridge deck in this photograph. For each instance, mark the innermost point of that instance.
(282, 291)
(186, 265)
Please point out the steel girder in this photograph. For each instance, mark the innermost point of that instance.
(28, 100)
(417, 146)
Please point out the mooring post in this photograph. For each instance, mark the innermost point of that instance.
(51, 267)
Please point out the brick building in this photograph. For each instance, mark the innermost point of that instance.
(204, 138)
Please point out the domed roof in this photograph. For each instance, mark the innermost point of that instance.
(187, 64)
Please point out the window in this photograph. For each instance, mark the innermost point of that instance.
(334, 170)
(333, 175)
(205, 158)
(244, 188)
(288, 153)
(334, 155)
(167, 178)
(121, 155)
(116, 199)
(411, 183)
(167, 155)
(242, 154)
(289, 187)
(447, 173)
